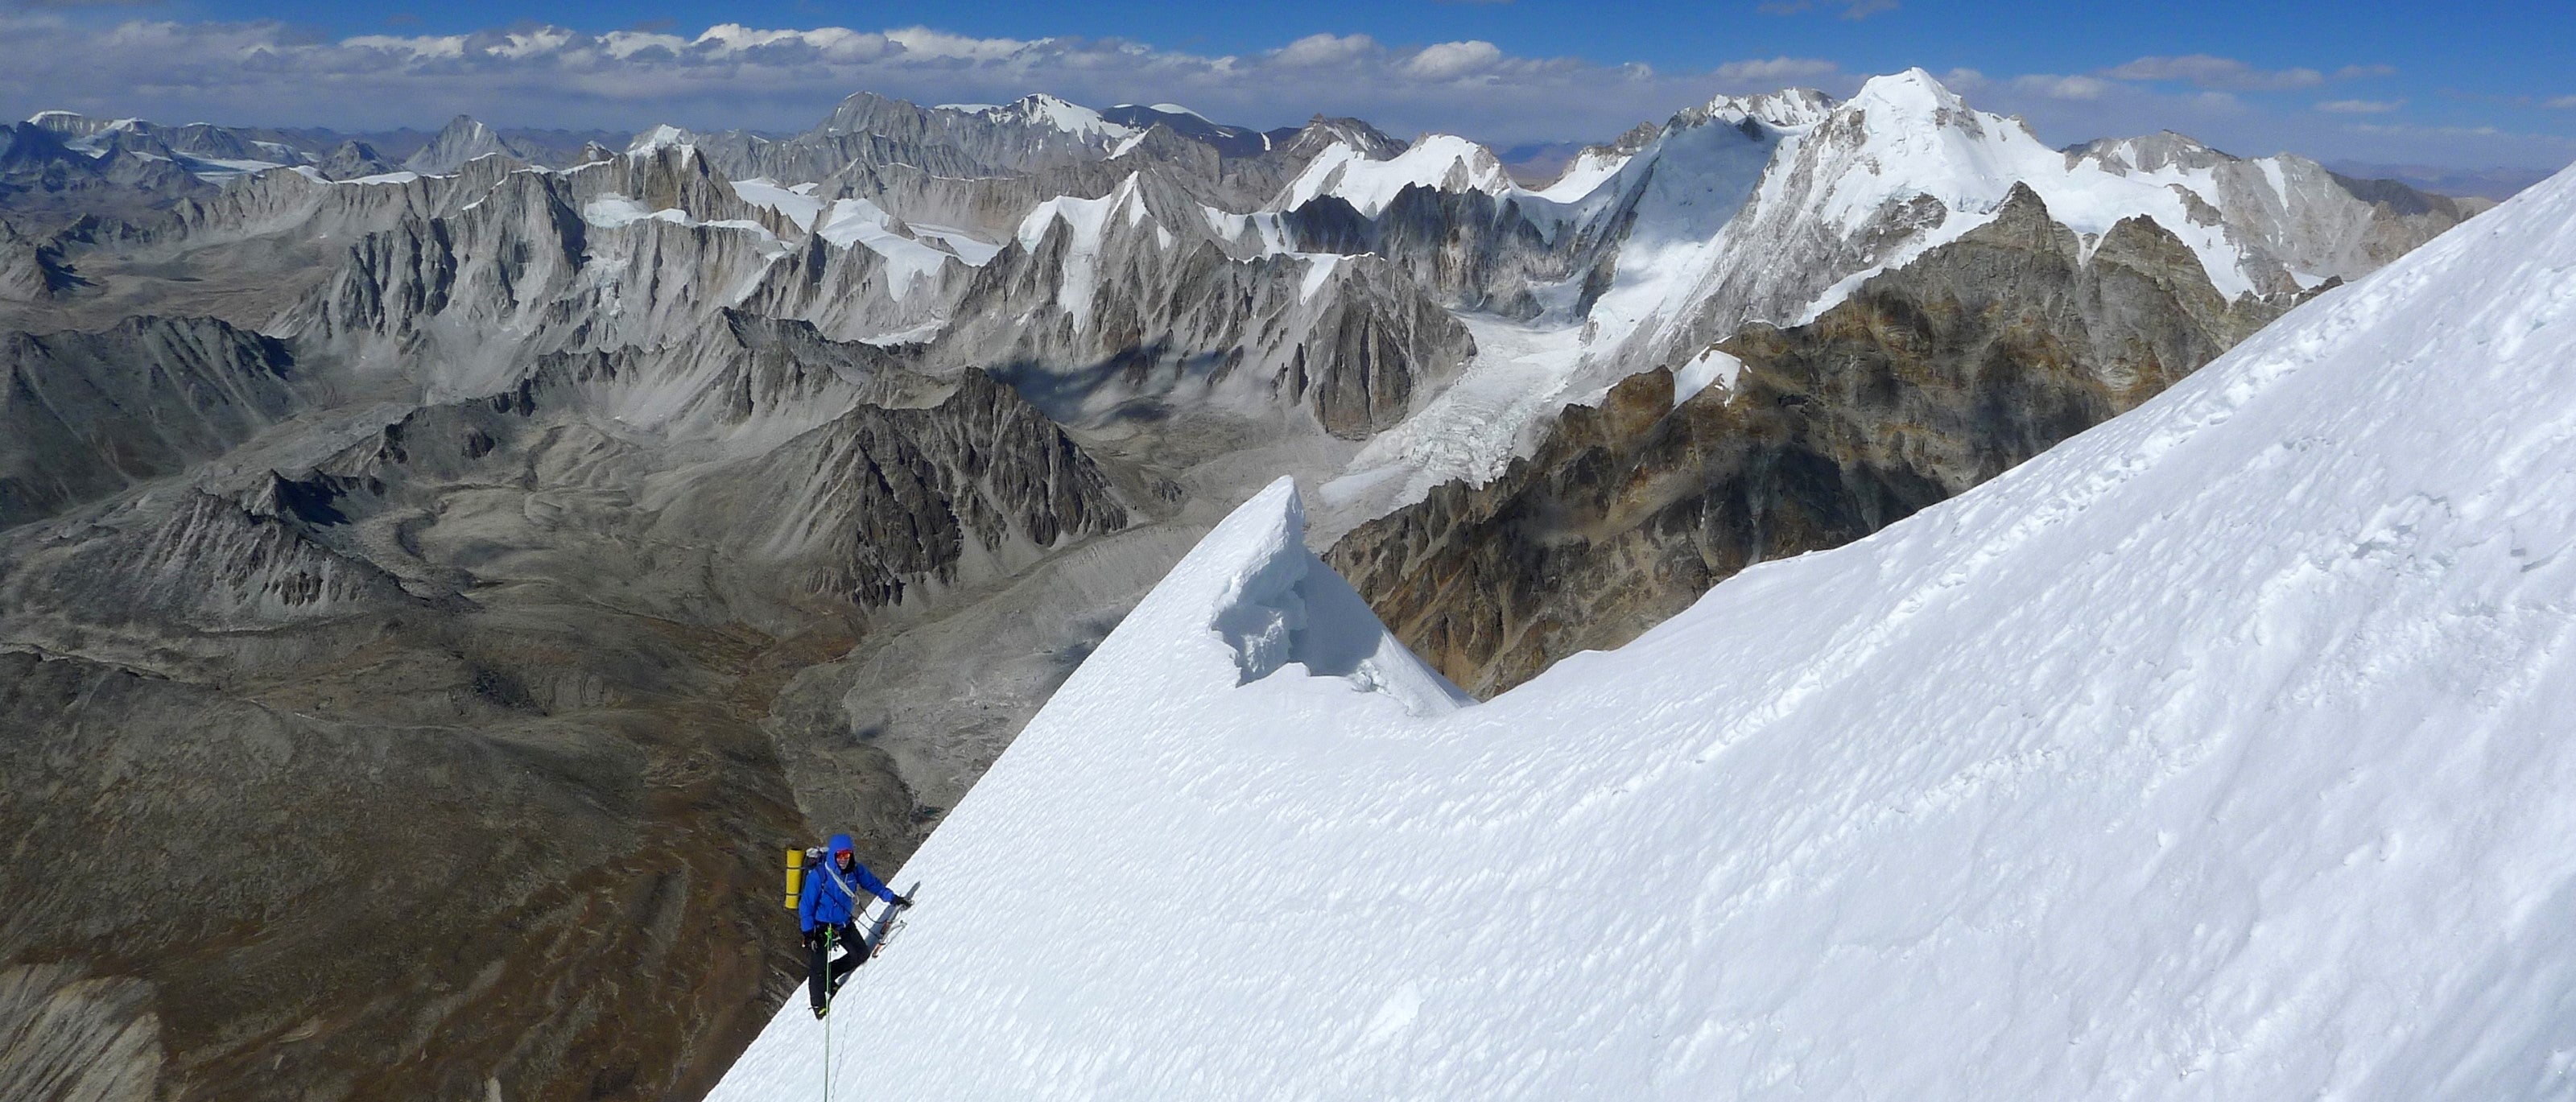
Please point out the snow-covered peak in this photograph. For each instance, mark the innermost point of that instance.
(660, 137)
(63, 122)
(1041, 109)
(1089, 225)
(2212, 754)
(2150, 153)
(1787, 109)
(1913, 103)
(1587, 171)
(1912, 94)
(1443, 161)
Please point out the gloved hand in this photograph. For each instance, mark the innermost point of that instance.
(903, 901)
(813, 938)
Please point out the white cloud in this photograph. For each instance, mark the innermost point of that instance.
(2058, 87)
(1777, 71)
(1451, 60)
(2564, 103)
(2224, 73)
(1325, 49)
(2360, 106)
(452, 45)
(926, 43)
(625, 44)
(786, 79)
(2406, 130)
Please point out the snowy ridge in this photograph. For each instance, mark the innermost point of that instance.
(1440, 161)
(1087, 220)
(1045, 110)
(1776, 208)
(909, 259)
(2213, 754)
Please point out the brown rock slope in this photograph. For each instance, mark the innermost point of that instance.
(437, 769)
(1928, 381)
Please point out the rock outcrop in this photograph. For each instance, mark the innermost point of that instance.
(83, 415)
(1927, 381)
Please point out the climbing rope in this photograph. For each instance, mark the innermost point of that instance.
(827, 1014)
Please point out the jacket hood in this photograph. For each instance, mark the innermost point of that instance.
(838, 843)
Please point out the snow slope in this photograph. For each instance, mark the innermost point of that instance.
(1777, 207)
(2217, 753)
(1440, 161)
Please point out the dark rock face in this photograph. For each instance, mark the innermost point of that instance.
(85, 414)
(881, 500)
(1928, 381)
(1469, 249)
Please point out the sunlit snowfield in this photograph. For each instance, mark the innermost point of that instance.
(2218, 753)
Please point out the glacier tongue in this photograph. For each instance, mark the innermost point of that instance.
(2215, 753)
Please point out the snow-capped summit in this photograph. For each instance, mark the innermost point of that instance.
(2153, 152)
(1914, 95)
(2211, 754)
(1040, 109)
(464, 139)
(1444, 162)
(1787, 109)
(659, 137)
(1847, 189)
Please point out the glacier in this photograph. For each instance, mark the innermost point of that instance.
(2214, 753)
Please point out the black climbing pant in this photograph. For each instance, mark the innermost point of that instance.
(822, 973)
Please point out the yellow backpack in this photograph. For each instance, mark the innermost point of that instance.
(797, 861)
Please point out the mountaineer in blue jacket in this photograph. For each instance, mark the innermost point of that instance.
(830, 904)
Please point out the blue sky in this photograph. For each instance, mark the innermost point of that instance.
(2462, 87)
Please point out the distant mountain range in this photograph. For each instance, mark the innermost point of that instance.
(2493, 183)
(583, 518)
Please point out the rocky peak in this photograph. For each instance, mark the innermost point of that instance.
(1043, 110)
(1926, 381)
(71, 124)
(2150, 153)
(1787, 109)
(1321, 133)
(658, 137)
(353, 159)
(464, 139)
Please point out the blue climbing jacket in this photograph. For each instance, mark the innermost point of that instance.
(831, 896)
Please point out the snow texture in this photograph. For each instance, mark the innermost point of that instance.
(2214, 754)
(798, 203)
(1712, 366)
(1439, 161)
(1752, 210)
(859, 223)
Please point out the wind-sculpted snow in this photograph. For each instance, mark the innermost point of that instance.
(2212, 754)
